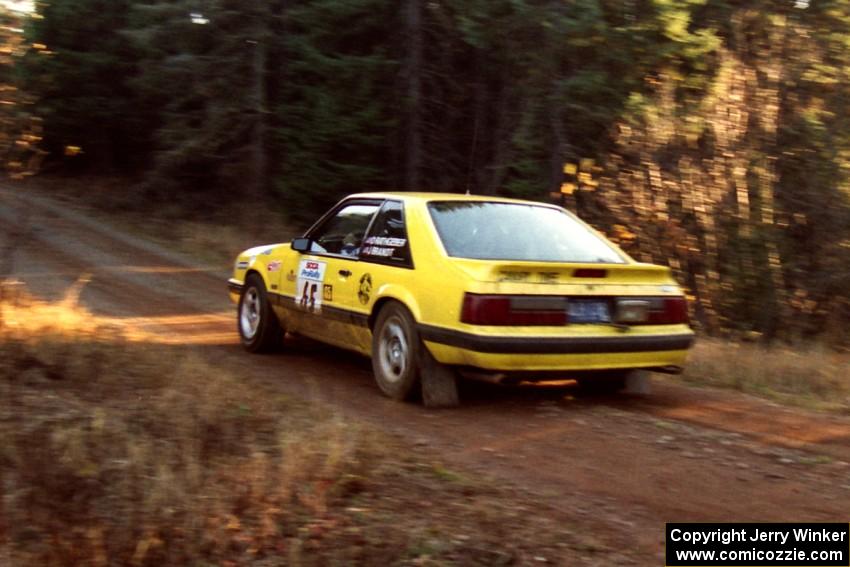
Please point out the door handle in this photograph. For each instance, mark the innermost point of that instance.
(345, 273)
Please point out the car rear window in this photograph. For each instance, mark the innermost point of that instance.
(514, 231)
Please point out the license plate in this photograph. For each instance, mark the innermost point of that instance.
(588, 311)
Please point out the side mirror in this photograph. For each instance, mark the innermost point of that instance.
(301, 244)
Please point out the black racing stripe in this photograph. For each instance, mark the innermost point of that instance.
(554, 345)
(328, 311)
(344, 315)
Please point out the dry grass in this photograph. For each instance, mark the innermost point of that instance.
(122, 453)
(810, 376)
(127, 453)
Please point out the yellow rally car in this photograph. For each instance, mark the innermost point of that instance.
(433, 285)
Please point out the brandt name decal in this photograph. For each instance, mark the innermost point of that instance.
(328, 293)
(382, 246)
(378, 251)
(365, 291)
(274, 266)
(311, 275)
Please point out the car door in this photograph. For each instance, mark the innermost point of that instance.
(325, 273)
(384, 259)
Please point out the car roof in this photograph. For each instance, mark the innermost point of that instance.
(410, 196)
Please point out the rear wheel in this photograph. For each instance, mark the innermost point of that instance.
(403, 366)
(395, 353)
(259, 329)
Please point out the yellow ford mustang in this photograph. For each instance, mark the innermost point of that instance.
(434, 285)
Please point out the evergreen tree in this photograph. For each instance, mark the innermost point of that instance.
(206, 73)
(82, 86)
(335, 104)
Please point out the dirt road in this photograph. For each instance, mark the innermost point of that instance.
(620, 465)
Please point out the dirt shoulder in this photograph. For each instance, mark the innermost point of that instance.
(613, 469)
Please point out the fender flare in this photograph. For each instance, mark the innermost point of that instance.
(393, 292)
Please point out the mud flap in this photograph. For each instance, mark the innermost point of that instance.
(638, 382)
(439, 382)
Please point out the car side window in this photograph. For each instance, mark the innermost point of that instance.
(387, 241)
(342, 234)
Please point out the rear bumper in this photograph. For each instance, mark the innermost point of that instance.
(555, 345)
(512, 354)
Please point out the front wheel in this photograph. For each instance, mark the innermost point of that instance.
(395, 353)
(259, 329)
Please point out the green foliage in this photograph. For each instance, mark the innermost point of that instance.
(334, 103)
(81, 81)
(205, 74)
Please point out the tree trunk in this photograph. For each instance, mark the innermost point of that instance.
(257, 184)
(413, 78)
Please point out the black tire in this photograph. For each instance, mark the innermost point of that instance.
(600, 384)
(259, 329)
(396, 351)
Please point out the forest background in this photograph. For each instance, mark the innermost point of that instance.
(708, 135)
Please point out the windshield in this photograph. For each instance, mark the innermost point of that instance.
(513, 231)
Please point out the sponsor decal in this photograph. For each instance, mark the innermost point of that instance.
(311, 275)
(378, 251)
(312, 270)
(328, 292)
(513, 276)
(365, 291)
(386, 241)
(290, 277)
(273, 266)
(549, 277)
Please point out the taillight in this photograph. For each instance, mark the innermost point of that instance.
(513, 310)
(540, 310)
(668, 311)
